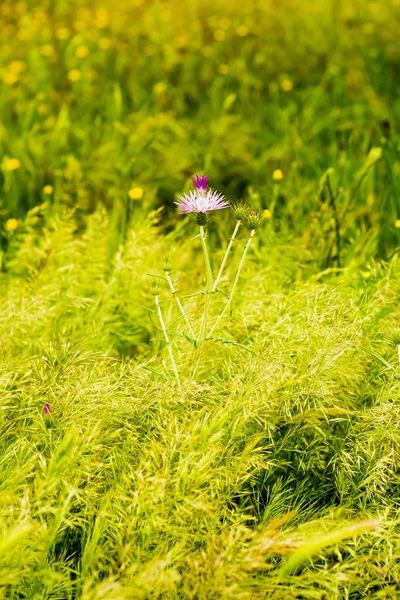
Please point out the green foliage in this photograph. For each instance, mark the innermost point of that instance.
(121, 104)
(275, 475)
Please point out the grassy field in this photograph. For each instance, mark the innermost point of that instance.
(271, 469)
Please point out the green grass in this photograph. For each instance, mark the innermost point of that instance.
(249, 482)
(274, 472)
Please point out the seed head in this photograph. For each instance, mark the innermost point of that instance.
(253, 219)
(167, 264)
(153, 289)
(240, 208)
(394, 336)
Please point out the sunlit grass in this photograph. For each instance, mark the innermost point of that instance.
(273, 472)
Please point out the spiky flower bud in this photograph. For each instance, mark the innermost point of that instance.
(153, 289)
(240, 208)
(201, 218)
(253, 219)
(394, 336)
(166, 264)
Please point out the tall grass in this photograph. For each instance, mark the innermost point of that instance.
(273, 473)
(274, 477)
(98, 100)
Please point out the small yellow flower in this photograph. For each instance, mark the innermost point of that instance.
(219, 35)
(286, 85)
(225, 23)
(48, 189)
(79, 25)
(21, 7)
(10, 78)
(242, 31)
(13, 164)
(267, 214)
(91, 74)
(11, 224)
(105, 43)
(17, 66)
(63, 33)
(165, 15)
(82, 51)
(136, 193)
(102, 18)
(277, 175)
(397, 223)
(43, 108)
(74, 75)
(223, 69)
(160, 88)
(47, 50)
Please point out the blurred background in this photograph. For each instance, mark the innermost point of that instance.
(293, 104)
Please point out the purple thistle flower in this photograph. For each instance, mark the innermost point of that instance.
(199, 201)
(46, 409)
(200, 182)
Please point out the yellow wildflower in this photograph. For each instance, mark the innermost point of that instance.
(242, 31)
(11, 224)
(79, 25)
(13, 164)
(277, 175)
(17, 66)
(10, 78)
(286, 85)
(74, 75)
(219, 35)
(63, 33)
(136, 193)
(48, 189)
(104, 43)
(102, 18)
(223, 69)
(397, 223)
(225, 23)
(82, 51)
(21, 7)
(267, 214)
(47, 50)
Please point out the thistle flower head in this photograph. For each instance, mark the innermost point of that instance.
(240, 208)
(199, 201)
(167, 264)
(394, 336)
(47, 409)
(200, 182)
(153, 289)
(253, 219)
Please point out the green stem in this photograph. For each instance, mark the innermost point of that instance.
(179, 303)
(227, 305)
(225, 257)
(209, 283)
(171, 355)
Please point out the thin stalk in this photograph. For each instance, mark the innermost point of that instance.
(209, 283)
(227, 305)
(226, 256)
(179, 303)
(171, 354)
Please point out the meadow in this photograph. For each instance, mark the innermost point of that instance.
(270, 467)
